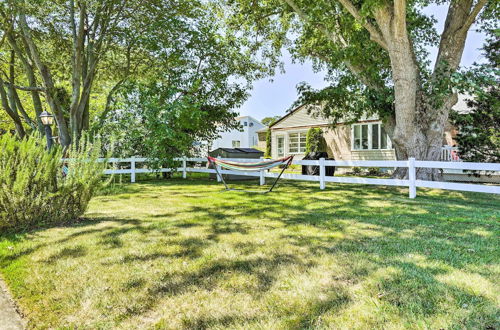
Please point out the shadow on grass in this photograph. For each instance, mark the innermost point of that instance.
(390, 230)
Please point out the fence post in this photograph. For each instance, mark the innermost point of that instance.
(132, 169)
(184, 167)
(321, 173)
(219, 179)
(411, 178)
(262, 175)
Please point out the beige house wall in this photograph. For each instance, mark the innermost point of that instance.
(338, 141)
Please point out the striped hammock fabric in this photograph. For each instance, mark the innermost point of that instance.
(259, 166)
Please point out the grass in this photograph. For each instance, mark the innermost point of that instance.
(183, 254)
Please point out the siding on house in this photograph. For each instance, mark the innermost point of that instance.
(373, 155)
(298, 118)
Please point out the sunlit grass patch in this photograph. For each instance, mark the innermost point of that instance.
(183, 254)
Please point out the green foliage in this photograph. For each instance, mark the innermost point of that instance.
(373, 171)
(268, 152)
(161, 122)
(268, 121)
(202, 72)
(34, 190)
(356, 170)
(478, 135)
(315, 142)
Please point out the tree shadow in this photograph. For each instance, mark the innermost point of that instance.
(385, 236)
(67, 252)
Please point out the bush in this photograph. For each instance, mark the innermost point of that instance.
(374, 171)
(268, 152)
(315, 142)
(356, 170)
(34, 190)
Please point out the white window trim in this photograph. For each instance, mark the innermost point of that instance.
(370, 146)
(284, 145)
(287, 143)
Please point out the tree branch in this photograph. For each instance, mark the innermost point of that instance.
(336, 38)
(332, 36)
(25, 88)
(23, 112)
(473, 15)
(374, 33)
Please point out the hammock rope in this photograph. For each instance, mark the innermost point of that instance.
(254, 167)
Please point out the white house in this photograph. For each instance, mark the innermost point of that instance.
(246, 138)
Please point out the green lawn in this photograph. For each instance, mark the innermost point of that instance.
(183, 254)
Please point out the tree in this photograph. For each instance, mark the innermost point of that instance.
(201, 73)
(268, 121)
(268, 152)
(315, 142)
(375, 55)
(478, 135)
(74, 57)
(479, 131)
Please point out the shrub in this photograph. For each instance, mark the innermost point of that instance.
(374, 171)
(315, 142)
(356, 170)
(268, 143)
(34, 190)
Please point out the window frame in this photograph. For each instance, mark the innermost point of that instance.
(301, 134)
(239, 143)
(370, 126)
(281, 136)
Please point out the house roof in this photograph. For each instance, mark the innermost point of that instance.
(250, 117)
(263, 129)
(287, 115)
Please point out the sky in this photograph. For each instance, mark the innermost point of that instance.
(273, 98)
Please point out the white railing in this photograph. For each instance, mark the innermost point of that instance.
(412, 183)
(450, 154)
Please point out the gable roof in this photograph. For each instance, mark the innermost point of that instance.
(287, 115)
(302, 116)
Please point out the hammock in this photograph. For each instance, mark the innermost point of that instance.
(259, 166)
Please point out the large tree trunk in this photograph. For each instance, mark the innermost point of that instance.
(420, 118)
(409, 133)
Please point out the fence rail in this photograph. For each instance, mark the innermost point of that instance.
(412, 183)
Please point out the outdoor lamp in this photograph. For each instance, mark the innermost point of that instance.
(47, 120)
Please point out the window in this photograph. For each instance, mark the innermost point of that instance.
(281, 145)
(369, 137)
(251, 125)
(245, 123)
(297, 142)
(236, 144)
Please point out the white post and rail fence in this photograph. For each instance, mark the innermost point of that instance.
(412, 183)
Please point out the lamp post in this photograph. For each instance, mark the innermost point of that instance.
(47, 120)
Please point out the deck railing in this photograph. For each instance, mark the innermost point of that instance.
(450, 154)
(198, 165)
